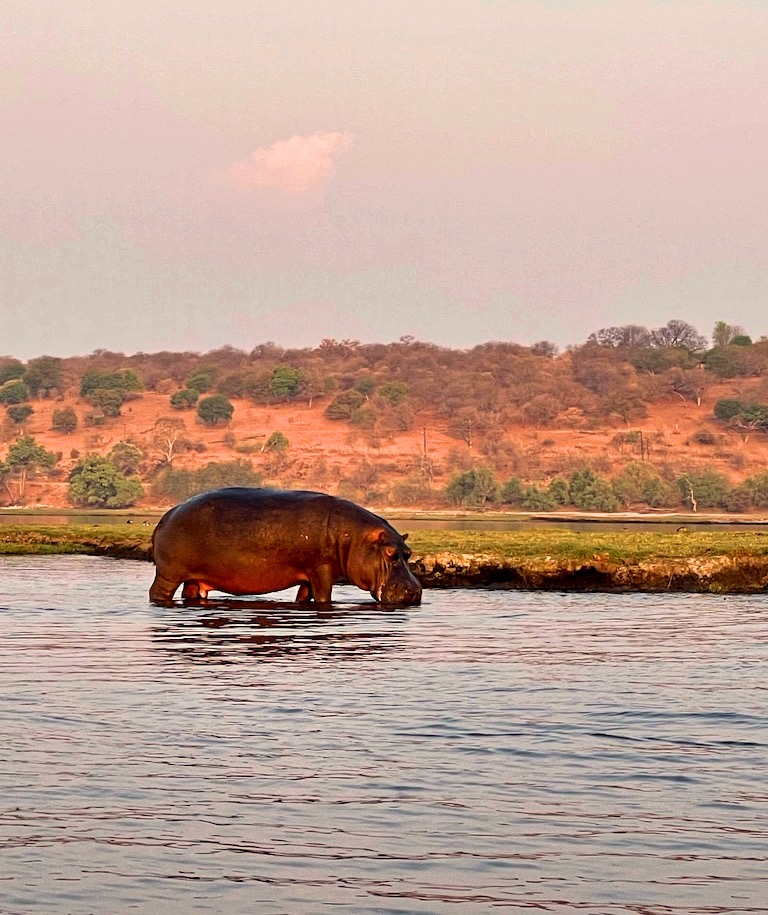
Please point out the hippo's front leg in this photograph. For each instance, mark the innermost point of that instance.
(321, 583)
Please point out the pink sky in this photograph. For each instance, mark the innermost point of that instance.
(181, 176)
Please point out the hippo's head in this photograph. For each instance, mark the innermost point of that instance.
(379, 564)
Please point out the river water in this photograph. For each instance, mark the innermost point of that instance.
(488, 751)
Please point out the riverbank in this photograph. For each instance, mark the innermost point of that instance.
(712, 560)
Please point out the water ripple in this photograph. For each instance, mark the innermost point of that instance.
(488, 750)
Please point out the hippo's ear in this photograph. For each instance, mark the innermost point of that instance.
(404, 536)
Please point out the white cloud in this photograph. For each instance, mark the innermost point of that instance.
(297, 165)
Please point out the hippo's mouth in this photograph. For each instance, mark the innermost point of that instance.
(397, 595)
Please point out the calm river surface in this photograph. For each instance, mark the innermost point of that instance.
(488, 751)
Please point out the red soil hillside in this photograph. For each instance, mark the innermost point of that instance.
(334, 456)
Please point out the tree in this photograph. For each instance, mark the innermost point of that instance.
(629, 335)
(753, 492)
(473, 488)
(590, 492)
(126, 381)
(366, 385)
(344, 404)
(20, 413)
(394, 392)
(126, 457)
(728, 407)
(724, 333)
(202, 379)
(166, 437)
(688, 384)
(639, 482)
(286, 382)
(678, 333)
(14, 392)
(25, 459)
(541, 409)
(11, 370)
(544, 348)
(215, 410)
(706, 488)
(109, 400)
(727, 361)
(184, 399)
(96, 482)
(43, 375)
(64, 420)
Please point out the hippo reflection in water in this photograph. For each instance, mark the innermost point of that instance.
(251, 541)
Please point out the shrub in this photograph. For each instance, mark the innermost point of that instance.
(278, 441)
(215, 410)
(728, 407)
(184, 399)
(344, 404)
(64, 420)
(704, 437)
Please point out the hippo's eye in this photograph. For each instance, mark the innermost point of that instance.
(390, 552)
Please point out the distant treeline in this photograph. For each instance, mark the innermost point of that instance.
(379, 390)
(616, 373)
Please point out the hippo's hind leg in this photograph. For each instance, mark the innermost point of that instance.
(304, 594)
(194, 590)
(162, 589)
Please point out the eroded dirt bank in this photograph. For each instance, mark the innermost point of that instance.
(716, 572)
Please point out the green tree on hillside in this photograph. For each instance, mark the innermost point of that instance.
(97, 483)
(126, 457)
(724, 333)
(14, 392)
(215, 410)
(20, 413)
(64, 420)
(184, 399)
(26, 458)
(44, 375)
(11, 370)
(202, 380)
(286, 382)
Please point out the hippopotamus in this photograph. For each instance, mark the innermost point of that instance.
(244, 540)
